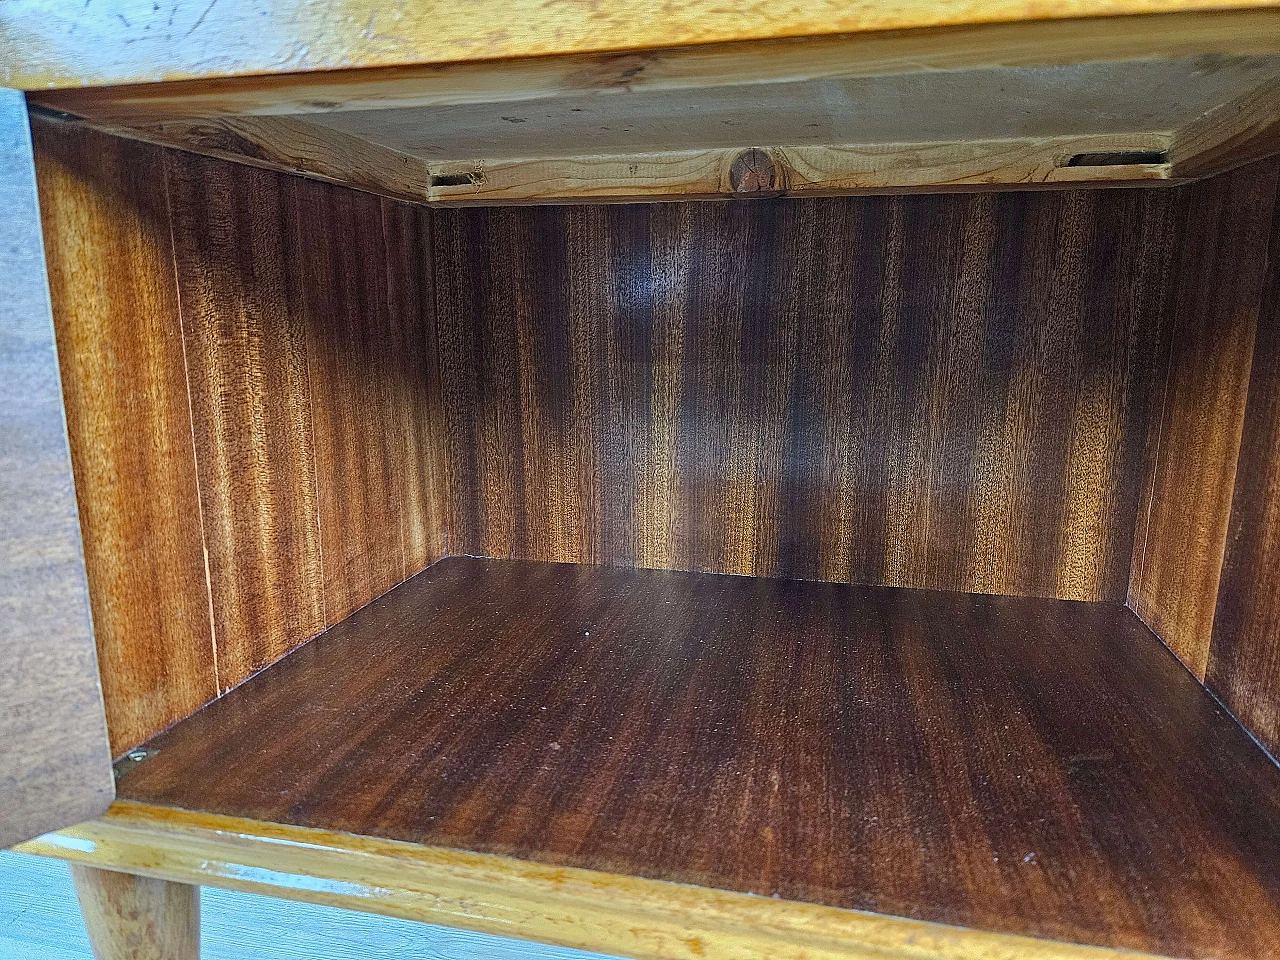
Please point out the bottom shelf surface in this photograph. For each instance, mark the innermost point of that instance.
(1015, 765)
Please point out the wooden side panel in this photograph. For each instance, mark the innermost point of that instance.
(251, 409)
(945, 392)
(247, 359)
(1244, 660)
(120, 344)
(311, 379)
(1182, 521)
(55, 766)
(337, 283)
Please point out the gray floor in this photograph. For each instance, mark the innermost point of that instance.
(40, 920)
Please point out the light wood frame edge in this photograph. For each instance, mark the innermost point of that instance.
(285, 145)
(1230, 135)
(240, 119)
(571, 907)
(293, 146)
(1247, 31)
(808, 170)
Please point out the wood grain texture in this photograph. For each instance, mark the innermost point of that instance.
(115, 302)
(1234, 134)
(991, 103)
(62, 44)
(985, 127)
(1196, 429)
(40, 920)
(1014, 765)
(809, 170)
(251, 408)
(284, 367)
(55, 765)
(310, 365)
(944, 392)
(420, 476)
(1045, 43)
(627, 916)
(1244, 659)
(338, 291)
(138, 918)
(988, 103)
(294, 146)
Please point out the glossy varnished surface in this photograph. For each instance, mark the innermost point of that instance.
(946, 392)
(60, 43)
(626, 916)
(248, 374)
(1244, 661)
(1216, 286)
(1020, 765)
(105, 213)
(306, 364)
(250, 407)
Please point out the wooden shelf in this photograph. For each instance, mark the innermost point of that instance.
(1020, 767)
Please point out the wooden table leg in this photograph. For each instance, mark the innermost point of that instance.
(136, 918)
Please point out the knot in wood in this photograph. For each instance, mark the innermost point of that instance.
(753, 171)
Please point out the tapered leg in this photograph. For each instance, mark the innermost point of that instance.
(135, 918)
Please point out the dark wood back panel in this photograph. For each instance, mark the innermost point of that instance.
(938, 391)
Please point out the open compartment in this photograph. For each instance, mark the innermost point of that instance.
(802, 548)
(1008, 764)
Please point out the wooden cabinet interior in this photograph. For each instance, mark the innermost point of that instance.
(286, 397)
(1196, 435)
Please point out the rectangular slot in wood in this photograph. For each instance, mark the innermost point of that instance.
(1118, 158)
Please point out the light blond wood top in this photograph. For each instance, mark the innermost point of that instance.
(66, 43)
